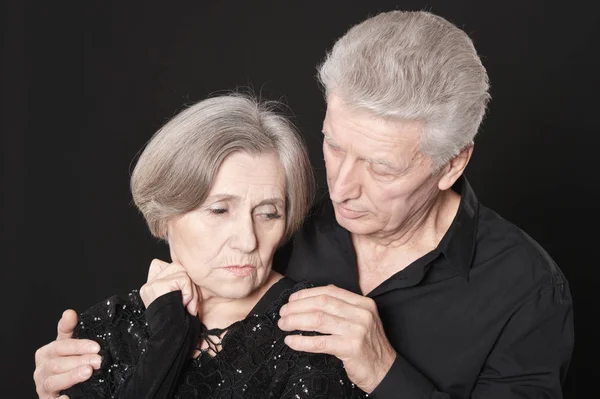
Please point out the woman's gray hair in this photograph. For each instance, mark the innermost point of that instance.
(176, 170)
(412, 66)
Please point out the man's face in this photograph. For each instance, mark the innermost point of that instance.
(378, 180)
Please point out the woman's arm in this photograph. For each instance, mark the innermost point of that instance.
(320, 375)
(144, 351)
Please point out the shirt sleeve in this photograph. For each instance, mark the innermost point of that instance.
(531, 357)
(403, 380)
(162, 356)
(529, 360)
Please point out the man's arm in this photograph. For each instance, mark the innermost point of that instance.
(529, 360)
(354, 334)
(531, 357)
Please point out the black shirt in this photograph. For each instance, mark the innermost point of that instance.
(147, 353)
(487, 314)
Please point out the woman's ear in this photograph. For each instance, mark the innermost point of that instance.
(171, 251)
(173, 255)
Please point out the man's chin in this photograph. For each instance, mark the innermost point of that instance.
(354, 226)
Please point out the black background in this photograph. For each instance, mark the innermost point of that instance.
(86, 84)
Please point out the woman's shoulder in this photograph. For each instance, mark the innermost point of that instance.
(277, 295)
(113, 311)
(118, 324)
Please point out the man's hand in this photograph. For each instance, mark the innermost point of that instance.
(66, 361)
(355, 333)
(166, 277)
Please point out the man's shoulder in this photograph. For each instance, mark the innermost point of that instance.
(508, 250)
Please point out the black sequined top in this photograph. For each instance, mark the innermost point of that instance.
(147, 353)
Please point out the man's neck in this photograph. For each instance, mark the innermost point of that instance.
(381, 256)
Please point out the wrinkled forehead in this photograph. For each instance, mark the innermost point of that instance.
(250, 176)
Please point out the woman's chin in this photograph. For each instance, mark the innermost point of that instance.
(231, 288)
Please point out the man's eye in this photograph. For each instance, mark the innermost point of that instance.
(382, 173)
(333, 147)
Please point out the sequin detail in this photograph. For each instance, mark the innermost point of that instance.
(250, 361)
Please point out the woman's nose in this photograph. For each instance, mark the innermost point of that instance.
(244, 236)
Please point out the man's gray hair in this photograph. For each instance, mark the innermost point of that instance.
(176, 170)
(412, 66)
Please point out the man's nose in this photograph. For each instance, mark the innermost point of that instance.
(346, 184)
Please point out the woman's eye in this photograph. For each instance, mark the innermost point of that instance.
(217, 211)
(272, 216)
(268, 212)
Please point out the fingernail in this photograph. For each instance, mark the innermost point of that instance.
(93, 347)
(96, 362)
(85, 372)
(292, 297)
(282, 310)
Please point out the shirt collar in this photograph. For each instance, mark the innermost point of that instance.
(458, 244)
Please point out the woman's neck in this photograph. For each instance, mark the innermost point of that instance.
(218, 312)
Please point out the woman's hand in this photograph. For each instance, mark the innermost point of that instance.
(166, 277)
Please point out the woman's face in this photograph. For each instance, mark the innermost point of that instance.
(227, 244)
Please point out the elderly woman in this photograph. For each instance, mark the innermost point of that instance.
(225, 183)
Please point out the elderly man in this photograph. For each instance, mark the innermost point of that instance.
(421, 291)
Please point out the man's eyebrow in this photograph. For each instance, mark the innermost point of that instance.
(330, 139)
(376, 161)
(380, 161)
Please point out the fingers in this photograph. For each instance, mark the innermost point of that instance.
(167, 277)
(156, 267)
(64, 364)
(333, 291)
(318, 311)
(168, 270)
(53, 384)
(192, 307)
(324, 303)
(189, 292)
(72, 347)
(322, 322)
(66, 324)
(330, 344)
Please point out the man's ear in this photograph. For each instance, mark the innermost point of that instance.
(455, 168)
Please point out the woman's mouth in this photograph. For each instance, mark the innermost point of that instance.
(240, 270)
